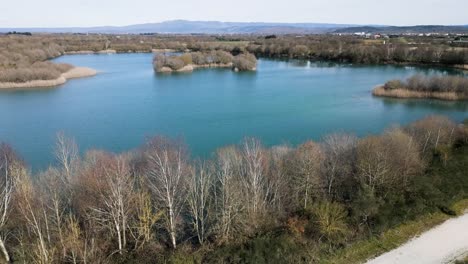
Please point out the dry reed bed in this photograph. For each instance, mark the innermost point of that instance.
(76, 72)
(403, 93)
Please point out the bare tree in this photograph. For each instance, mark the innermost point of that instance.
(374, 166)
(228, 202)
(200, 186)
(306, 164)
(387, 161)
(7, 186)
(339, 156)
(116, 200)
(56, 195)
(278, 178)
(167, 174)
(32, 209)
(254, 181)
(66, 153)
(431, 132)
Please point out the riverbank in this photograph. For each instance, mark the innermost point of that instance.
(404, 93)
(76, 72)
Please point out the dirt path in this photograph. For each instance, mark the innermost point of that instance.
(442, 244)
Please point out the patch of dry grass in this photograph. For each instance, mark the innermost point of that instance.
(403, 93)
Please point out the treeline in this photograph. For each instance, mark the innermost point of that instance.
(155, 204)
(353, 50)
(216, 58)
(19, 33)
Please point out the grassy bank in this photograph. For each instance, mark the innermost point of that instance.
(364, 250)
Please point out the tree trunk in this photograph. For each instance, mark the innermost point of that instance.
(172, 227)
(4, 251)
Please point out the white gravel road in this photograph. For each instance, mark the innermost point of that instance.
(442, 244)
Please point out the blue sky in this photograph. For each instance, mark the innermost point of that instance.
(60, 13)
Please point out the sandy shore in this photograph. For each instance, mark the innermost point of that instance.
(76, 72)
(403, 93)
(442, 244)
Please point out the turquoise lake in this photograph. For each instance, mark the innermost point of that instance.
(283, 102)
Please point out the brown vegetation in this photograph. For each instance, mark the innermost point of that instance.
(193, 60)
(23, 63)
(107, 208)
(438, 87)
(20, 53)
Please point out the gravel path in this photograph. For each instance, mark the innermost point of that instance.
(442, 244)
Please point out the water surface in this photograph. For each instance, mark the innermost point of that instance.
(283, 102)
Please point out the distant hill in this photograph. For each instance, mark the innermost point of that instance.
(402, 30)
(196, 27)
(216, 27)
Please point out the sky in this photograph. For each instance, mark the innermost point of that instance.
(85, 13)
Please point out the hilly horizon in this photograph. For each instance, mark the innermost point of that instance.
(262, 28)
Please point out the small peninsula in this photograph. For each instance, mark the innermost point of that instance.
(418, 86)
(72, 73)
(25, 64)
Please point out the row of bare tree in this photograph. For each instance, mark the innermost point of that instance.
(103, 206)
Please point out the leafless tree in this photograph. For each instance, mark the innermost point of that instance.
(228, 202)
(387, 161)
(116, 200)
(254, 181)
(339, 155)
(200, 187)
(7, 186)
(167, 175)
(278, 178)
(306, 165)
(33, 210)
(66, 153)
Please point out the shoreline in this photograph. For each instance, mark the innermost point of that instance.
(380, 91)
(76, 72)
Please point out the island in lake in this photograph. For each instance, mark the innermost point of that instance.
(418, 86)
(187, 62)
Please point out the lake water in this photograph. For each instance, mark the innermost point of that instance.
(283, 102)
